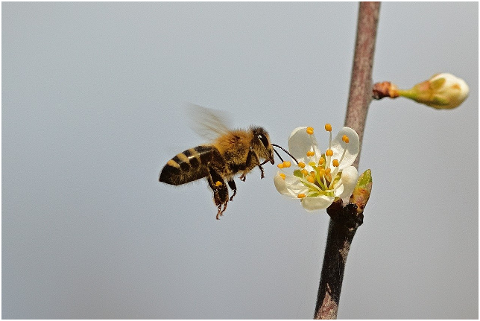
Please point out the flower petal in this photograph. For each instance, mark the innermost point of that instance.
(317, 203)
(300, 143)
(339, 188)
(453, 89)
(353, 146)
(281, 185)
(295, 186)
(349, 180)
(289, 186)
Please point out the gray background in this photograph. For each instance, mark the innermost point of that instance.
(93, 98)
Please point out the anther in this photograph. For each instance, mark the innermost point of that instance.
(310, 130)
(282, 175)
(329, 152)
(335, 163)
(280, 165)
(301, 164)
(310, 153)
(310, 179)
(301, 195)
(328, 127)
(345, 139)
(287, 164)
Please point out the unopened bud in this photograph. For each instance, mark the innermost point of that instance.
(361, 192)
(441, 91)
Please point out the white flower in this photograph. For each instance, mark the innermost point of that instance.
(317, 178)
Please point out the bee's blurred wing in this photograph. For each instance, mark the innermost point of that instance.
(208, 123)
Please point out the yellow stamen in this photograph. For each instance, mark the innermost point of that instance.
(301, 164)
(282, 176)
(304, 172)
(311, 179)
(280, 165)
(321, 161)
(345, 139)
(335, 163)
(287, 164)
(310, 130)
(328, 177)
(328, 174)
(218, 183)
(329, 152)
(301, 195)
(328, 127)
(310, 153)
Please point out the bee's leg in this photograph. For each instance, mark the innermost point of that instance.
(233, 187)
(220, 191)
(262, 175)
(251, 162)
(261, 168)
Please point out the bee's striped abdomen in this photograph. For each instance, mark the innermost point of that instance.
(188, 166)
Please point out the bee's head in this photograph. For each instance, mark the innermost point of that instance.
(261, 144)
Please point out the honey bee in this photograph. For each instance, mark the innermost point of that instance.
(230, 152)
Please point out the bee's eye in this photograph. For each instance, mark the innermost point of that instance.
(263, 139)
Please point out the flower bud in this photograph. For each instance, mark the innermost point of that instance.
(441, 91)
(361, 192)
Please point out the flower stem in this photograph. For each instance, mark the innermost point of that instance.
(408, 93)
(340, 235)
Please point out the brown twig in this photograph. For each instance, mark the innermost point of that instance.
(345, 220)
(361, 83)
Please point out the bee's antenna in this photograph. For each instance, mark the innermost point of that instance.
(278, 146)
(278, 155)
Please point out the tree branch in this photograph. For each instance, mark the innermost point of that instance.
(344, 221)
